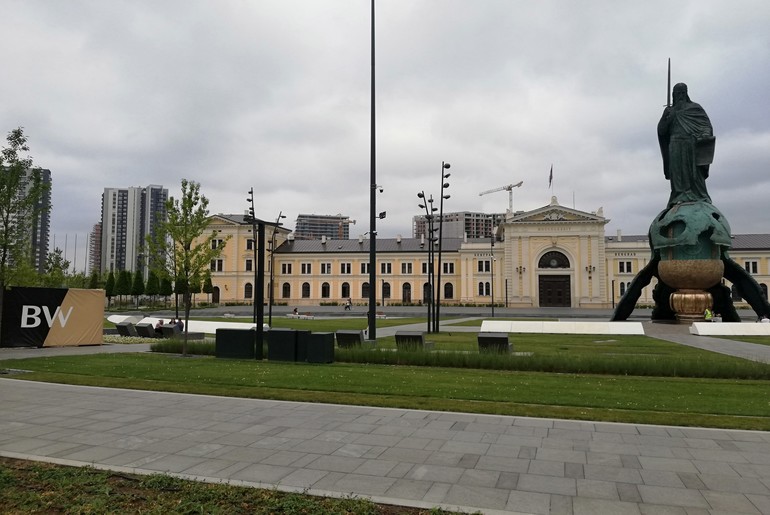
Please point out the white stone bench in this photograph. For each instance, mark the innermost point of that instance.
(729, 329)
(561, 327)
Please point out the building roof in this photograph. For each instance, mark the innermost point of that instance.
(384, 245)
(740, 241)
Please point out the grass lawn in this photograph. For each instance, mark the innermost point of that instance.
(761, 340)
(31, 487)
(655, 400)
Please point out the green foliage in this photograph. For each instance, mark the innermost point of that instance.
(109, 288)
(179, 243)
(153, 284)
(166, 288)
(21, 192)
(56, 268)
(93, 281)
(137, 287)
(30, 487)
(208, 286)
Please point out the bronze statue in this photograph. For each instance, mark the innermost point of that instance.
(690, 238)
(687, 145)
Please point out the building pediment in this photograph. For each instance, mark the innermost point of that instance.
(554, 213)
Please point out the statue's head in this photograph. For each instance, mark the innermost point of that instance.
(680, 93)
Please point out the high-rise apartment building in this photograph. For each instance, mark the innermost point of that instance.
(41, 223)
(313, 227)
(129, 215)
(459, 225)
(95, 249)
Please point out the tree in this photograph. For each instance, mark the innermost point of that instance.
(56, 268)
(152, 288)
(180, 243)
(109, 288)
(93, 281)
(21, 193)
(195, 286)
(123, 285)
(165, 288)
(137, 287)
(208, 287)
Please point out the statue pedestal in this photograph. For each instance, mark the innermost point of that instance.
(690, 305)
(691, 277)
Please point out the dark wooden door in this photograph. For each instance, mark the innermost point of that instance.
(555, 291)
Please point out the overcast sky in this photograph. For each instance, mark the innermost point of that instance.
(275, 95)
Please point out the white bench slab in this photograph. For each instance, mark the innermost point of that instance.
(729, 329)
(562, 327)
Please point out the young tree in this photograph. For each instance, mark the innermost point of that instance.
(123, 285)
(195, 286)
(56, 268)
(181, 240)
(109, 288)
(93, 281)
(137, 287)
(208, 287)
(152, 288)
(21, 192)
(166, 288)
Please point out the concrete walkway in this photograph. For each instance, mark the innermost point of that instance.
(494, 464)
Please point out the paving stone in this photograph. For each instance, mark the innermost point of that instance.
(667, 464)
(672, 496)
(409, 489)
(730, 503)
(529, 502)
(376, 467)
(561, 455)
(597, 489)
(507, 480)
(547, 484)
(336, 463)
(437, 473)
(502, 464)
(628, 492)
(588, 506)
(618, 474)
(661, 478)
(546, 468)
(363, 484)
(477, 496)
(574, 470)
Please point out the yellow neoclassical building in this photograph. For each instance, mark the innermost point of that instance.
(553, 256)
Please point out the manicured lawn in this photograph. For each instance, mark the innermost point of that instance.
(705, 402)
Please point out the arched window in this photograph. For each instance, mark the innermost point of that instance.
(736, 295)
(764, 290)
(622, 288)
(449, 291)
(481, 289)
(487, 289)
(365, 291)
(553, 259)
(345, 290)
(286, 291)
(248, 291)
(406, 293)
(426, 293)
(305, 290)
(385, 290)
(325, 291)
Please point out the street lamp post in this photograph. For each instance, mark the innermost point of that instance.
(444, 185)
(258, 292)
(272, 272)
(492, 267)
(429, 219)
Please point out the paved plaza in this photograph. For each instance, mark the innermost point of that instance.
(494, 464)
(465, 462)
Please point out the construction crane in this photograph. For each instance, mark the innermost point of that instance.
(347, 221)
(509, 189)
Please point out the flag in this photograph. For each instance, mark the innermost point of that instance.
(550, 177)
